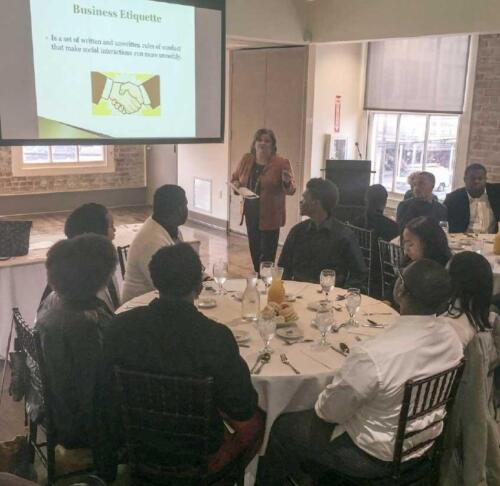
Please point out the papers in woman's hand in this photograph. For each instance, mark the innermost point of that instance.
(244, 192)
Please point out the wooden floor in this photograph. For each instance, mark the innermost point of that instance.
(215, 245)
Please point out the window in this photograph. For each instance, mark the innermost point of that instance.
(41, 160)
(402, 143)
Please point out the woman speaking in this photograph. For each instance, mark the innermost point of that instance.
(270, 177)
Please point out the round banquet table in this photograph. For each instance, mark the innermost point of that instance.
(280, 390)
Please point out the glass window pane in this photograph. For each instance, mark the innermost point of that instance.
(36, 154)
(64, 153)
(383, 147)
(441, 150)
(91, 153)
(410, 148)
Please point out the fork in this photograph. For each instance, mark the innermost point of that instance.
(285, 361)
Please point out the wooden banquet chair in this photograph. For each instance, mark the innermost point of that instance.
(122, 257)
(364, 238)
(420, 398)
(167, 425)
(29, 343)
(391, 257)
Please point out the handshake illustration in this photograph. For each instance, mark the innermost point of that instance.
(126, 97)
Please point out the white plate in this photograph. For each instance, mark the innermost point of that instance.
(207, 303)
(240, 335)
(314, 306)
(290, 333)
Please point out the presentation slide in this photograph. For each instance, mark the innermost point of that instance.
(120, 69)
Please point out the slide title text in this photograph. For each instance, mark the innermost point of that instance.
(121, 14)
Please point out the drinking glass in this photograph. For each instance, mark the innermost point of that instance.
(220, 276)
(327, 281)
(352, 303)
(266, 328)
(445, 226)
(266, 274)
(478, 245)
(324, 321)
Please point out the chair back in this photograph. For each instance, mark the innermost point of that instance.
(30, 343)
(122, 257)
(422, 397)
(167, 422)
(391, 258)
(364, 238)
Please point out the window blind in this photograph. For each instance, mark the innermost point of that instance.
(424, 74)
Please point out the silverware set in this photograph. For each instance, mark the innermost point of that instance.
(263, 359)
(343, 349)
(285, 361)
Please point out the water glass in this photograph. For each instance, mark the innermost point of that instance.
(444, 225)
(220, 275)
(478, 245)
(266, 274)
(352, 304)
(327, 281)
(324, 321)
(266, 328)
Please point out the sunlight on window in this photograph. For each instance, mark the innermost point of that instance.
(401, 144)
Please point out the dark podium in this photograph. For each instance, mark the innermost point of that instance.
(352, 177)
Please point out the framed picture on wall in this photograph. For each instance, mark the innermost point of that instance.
(339, 148)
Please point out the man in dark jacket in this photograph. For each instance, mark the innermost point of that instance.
(322, 241)
(381, 226)
(474, 208)
(170, 336)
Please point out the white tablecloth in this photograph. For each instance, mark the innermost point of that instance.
(280, 389)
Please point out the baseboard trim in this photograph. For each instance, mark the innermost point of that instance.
(206, 220)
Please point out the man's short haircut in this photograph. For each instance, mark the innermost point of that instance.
(176, 270)
(79, 267)
(324, 191)
(428, 284)
(428, 175)
(376, 195)
(167, 199)
(88, 218)
(474, 166)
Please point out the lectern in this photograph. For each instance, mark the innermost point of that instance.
(352, 177)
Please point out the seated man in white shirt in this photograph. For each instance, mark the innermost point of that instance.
(161, 229)
(352, 429)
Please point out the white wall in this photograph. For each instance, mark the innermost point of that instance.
(161, 168)
(207, 161)
(338, 70)
(350, 20)
(265, 20)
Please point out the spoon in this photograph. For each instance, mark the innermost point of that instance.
(344, 348)
(264, 359)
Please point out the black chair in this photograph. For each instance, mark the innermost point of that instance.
(420, 398)
(364, 238)
(391, 258)
(29, 342)
(167, 424)
(122, 257)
